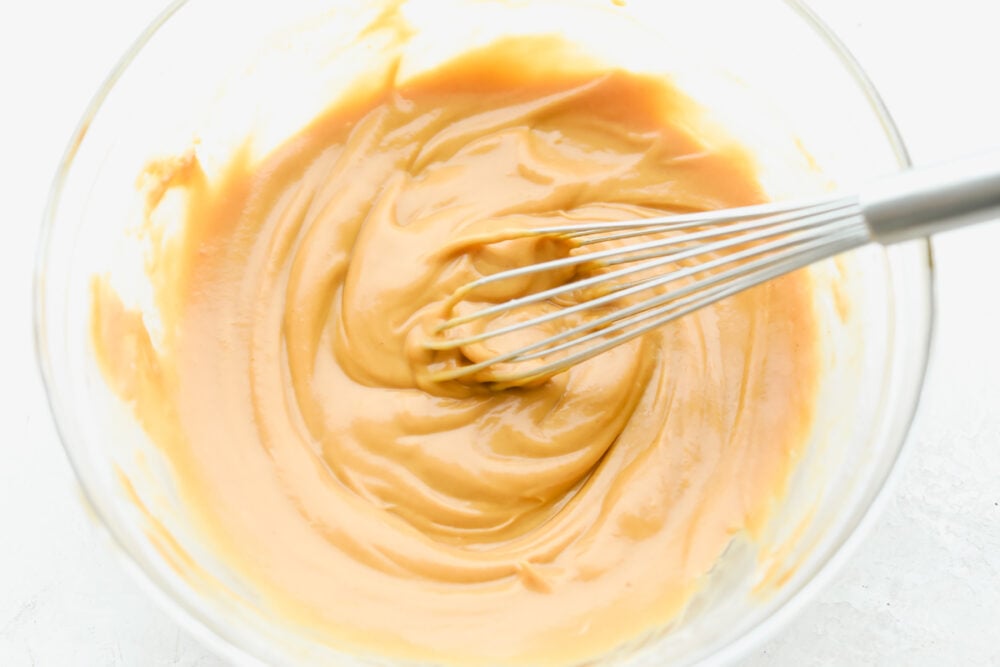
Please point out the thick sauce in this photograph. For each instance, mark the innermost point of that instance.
(398, 516)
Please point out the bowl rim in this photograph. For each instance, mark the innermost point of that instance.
(201, 627)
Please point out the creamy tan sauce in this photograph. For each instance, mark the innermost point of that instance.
(394, 515)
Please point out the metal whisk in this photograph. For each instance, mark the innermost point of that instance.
(694, 260)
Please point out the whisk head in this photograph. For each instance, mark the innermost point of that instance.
(631, 277)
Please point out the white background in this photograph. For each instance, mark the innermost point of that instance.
(922, 589)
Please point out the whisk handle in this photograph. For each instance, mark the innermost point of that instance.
(929, 200)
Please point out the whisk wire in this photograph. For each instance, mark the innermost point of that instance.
(654, 315)
(754, 222)
(622, 319)
(786, 229)
(694, 219)
(740, 251)
(778, 224)
(775, 270)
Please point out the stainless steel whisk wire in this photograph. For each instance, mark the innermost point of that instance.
(740, 248)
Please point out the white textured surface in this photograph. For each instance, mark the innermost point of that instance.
(922, 589)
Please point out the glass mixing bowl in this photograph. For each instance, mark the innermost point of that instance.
(796, 99)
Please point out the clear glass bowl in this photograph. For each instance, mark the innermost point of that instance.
(794, 96)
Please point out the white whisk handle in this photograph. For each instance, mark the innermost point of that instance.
(929, 200)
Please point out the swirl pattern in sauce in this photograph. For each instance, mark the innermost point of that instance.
(539, 524)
